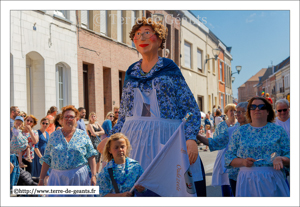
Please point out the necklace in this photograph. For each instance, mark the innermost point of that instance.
(142, 72)
(124, 176)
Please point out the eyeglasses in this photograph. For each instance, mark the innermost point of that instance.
(24, 116)
(111, 116)
(280, 110)
(29, 121)
(45, 123)
(260, 107)
(238, 112)
(116, 112)
(69, 117)
(146, 35)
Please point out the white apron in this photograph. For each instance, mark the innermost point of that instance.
(261, 182)
(148, 132)
(219, 176)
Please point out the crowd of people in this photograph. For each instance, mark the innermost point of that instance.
(253, 157)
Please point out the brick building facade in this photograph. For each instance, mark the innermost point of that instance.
(104, 55)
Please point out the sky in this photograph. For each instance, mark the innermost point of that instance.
(257, 38)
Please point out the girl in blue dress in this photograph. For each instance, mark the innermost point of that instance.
(121, 172)
(40, 148)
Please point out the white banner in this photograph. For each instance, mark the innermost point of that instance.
(169, 174)
(46, 190)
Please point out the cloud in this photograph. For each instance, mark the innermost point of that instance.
(250, 18)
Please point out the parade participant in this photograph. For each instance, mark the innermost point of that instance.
(39, 149)
(95, 131)
(51, 115)
(80, 122)
(67, 153)
(251, 148)
(14, 112)
(282, 107)
(107, 124)
(121, 172)
(219, 142)
(268, 98)
(116, 114)
(155, 98)
(32, 137)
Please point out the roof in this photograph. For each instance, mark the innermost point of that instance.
(282, 64)
(266, 75)
(242, 85)
(257, 75)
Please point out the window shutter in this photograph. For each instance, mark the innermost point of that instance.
(103, 22)
(187, 55)
(84, 18)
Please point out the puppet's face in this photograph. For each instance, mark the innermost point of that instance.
(146, 42)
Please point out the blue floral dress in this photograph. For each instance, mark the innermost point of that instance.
(258, 143)
(220, 142)
(174, 97)
(105, 184)
(61, 155)
(260, 180)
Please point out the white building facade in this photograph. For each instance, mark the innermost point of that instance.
(43, 65)
(201, 76)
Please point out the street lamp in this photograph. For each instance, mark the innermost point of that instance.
(216, 53)
(232, 79)
(238, 69)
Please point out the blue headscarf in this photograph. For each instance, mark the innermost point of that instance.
(169, 69)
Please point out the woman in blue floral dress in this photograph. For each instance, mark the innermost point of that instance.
(68, 152)
(251, 149)
(155, 98)
(219, 142)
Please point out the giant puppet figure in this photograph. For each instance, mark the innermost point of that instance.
(155, 98)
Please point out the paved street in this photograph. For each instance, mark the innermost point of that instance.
(208, 159)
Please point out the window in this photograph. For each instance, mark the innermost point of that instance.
(199, 60)
(85, 18)
(62, 13)
(221, 72)
(214, 65)
(103, 22)
(61, 86)
(187, 55)
(287, 81)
